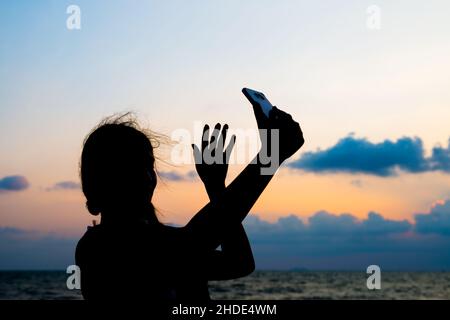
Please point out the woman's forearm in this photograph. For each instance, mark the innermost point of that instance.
(212, 223)
(235, 246)
(237, 257)
(238, 252)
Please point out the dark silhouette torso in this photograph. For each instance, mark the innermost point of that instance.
(140, 261)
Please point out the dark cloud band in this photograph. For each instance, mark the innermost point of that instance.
(324, 241)
(175, 176)
(357, 155)
(65, 185)
(14, 183)
(327, 241)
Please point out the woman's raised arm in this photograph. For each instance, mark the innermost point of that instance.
(214, 221)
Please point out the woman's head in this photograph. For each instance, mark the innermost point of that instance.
(118, 166)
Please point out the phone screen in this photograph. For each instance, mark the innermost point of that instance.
(259, 99)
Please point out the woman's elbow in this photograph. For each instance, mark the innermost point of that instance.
(247, 268)
(251, 266)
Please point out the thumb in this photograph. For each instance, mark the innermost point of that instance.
(229, 149)
(197, 154)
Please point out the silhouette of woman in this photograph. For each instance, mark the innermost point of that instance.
(130, 254)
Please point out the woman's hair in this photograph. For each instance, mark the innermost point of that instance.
(117, 166)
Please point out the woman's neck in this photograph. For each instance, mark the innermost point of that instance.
(130, 215)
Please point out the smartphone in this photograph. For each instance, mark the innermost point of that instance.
(257, 98)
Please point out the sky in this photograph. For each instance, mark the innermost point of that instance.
(373, 103)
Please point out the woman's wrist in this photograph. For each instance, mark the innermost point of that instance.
(267, 161)
(215, 186)
(214, 189)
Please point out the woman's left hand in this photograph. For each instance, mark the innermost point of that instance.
(211, 161)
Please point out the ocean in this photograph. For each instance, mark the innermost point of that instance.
(288, 285)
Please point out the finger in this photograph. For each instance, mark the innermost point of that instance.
(205, 137)
(215, 135)
(278, 114)
(230, 148)
(222, 137)
(197, 154)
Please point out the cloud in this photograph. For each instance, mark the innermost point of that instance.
(328, 241)
(437, 221)
(358, 155)
(327, 224)
(13, 183)
(65, 185)
(264, 230)
(377, 224)
(176, 176)
(440, 158)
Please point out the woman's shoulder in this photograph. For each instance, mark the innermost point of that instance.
(91, 236)
(102, 232)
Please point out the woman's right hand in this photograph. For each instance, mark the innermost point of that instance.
(290, 135)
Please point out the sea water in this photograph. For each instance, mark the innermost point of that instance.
(259, 285)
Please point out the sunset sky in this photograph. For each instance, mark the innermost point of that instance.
(374, 105)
